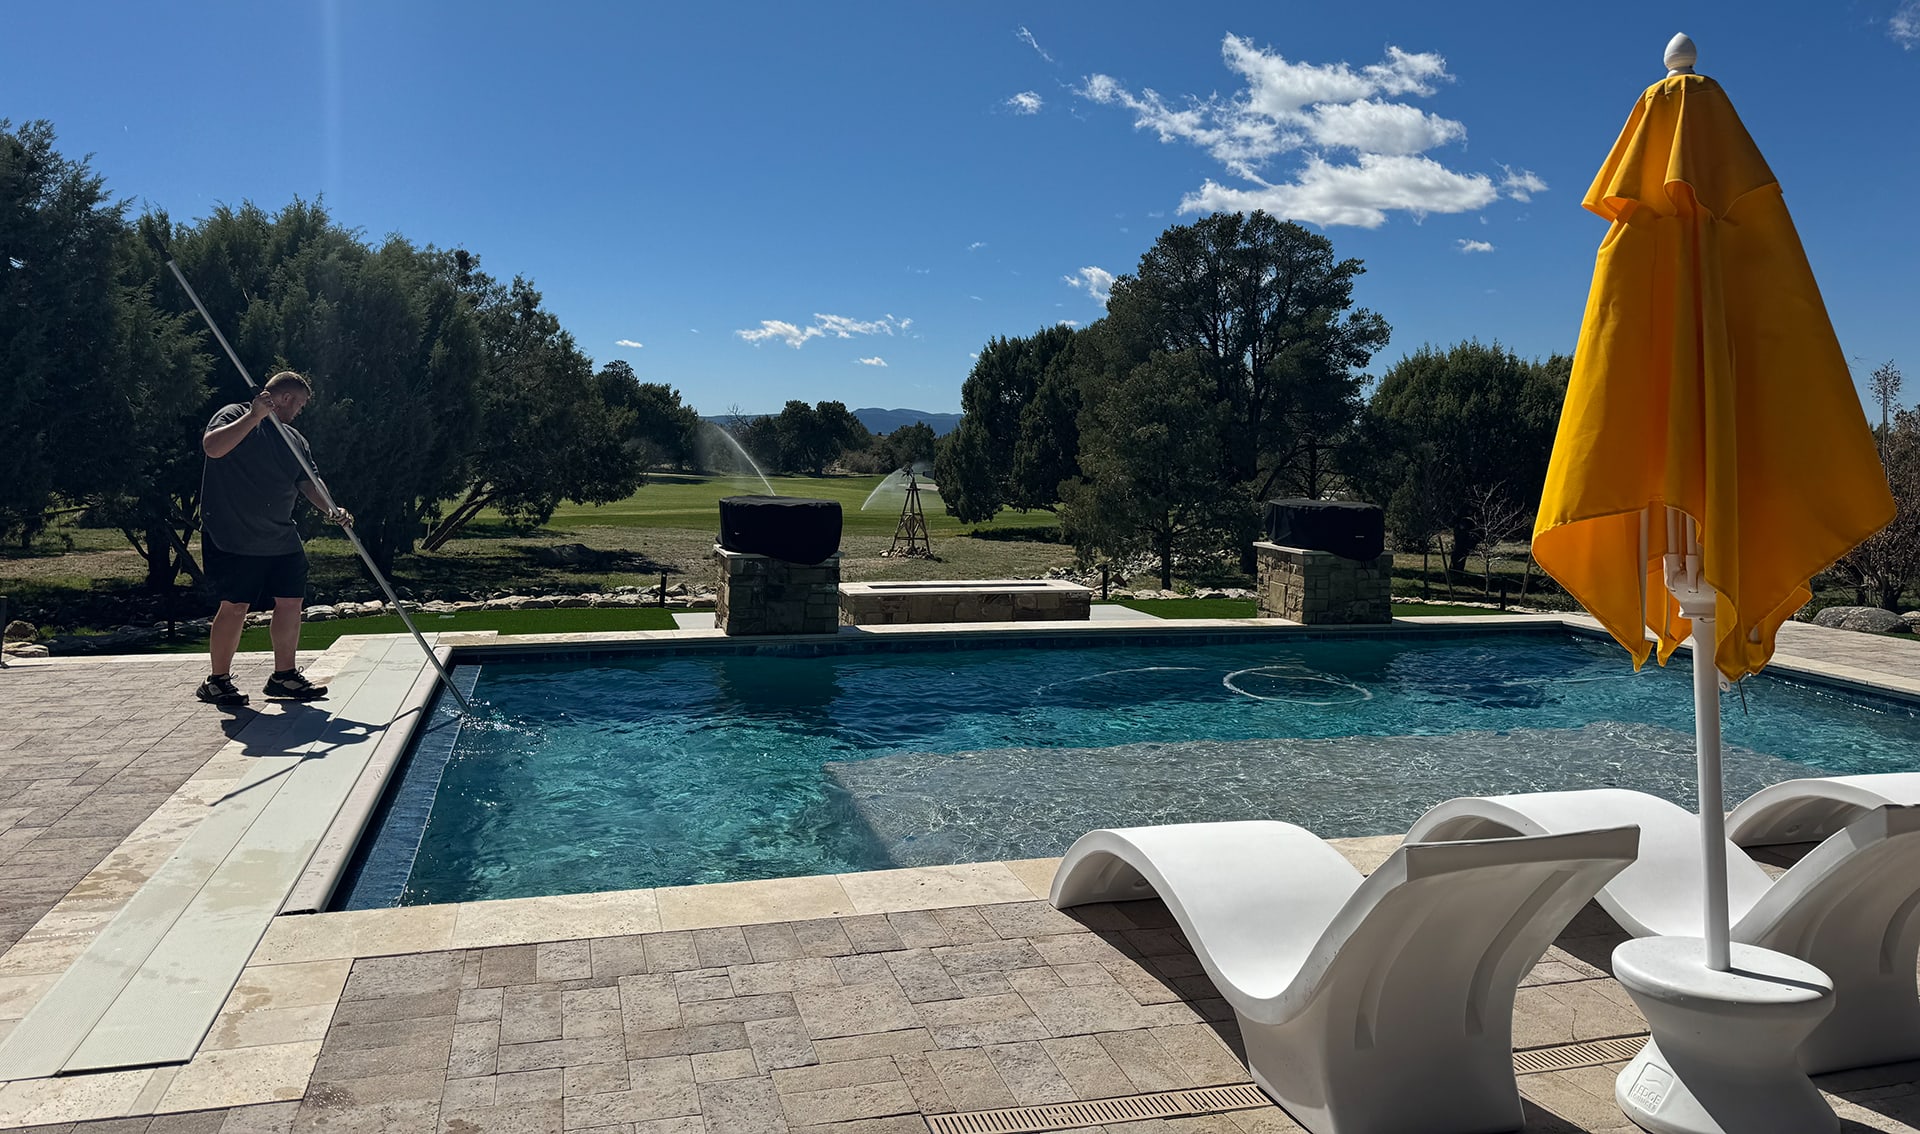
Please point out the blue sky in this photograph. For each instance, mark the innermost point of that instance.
(757, 202)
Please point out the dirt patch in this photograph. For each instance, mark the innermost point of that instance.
(75, 565)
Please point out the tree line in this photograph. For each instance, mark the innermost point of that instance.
(1230, 370)
(439, 389)
(806, 439)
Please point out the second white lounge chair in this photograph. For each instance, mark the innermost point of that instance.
(1376, 1005)
(1847, 908)
(1806, 811)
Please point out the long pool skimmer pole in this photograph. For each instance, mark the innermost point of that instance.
(307, 467)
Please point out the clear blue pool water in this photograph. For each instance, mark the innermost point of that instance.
(655, 771)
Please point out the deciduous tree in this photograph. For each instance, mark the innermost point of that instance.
(1889, 561)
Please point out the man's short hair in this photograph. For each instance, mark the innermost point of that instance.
(287, 378)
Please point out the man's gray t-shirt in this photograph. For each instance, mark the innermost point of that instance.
(247, 496)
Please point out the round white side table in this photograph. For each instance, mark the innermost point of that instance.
(1722, 1057)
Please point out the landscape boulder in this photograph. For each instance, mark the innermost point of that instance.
(1864, 619)
(19, 631)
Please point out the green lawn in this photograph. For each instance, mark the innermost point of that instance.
(1192, 607)
(1443, 610)
(683, 500)
(320, 635)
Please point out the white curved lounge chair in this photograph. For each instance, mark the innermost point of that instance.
(1381, 1005)
(1806, 811)
(1846, 908)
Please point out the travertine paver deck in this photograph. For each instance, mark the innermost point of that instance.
(148, 987)
(858, 1022)
(89, 750)
(858, 1025)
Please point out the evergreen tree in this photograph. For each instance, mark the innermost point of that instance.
(546, 433)
(1444, 429)
(63, 327)
(976, 466)
(1150, 477)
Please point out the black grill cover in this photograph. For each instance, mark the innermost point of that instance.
(792, 528)
(1352, 529)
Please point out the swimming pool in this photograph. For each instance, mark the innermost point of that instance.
(734, 763)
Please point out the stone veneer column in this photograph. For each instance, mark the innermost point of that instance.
(1319, 587)
(759, 594)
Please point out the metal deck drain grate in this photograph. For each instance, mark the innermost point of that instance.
(1242, 1096)
(1565, 1058)
(1066, 1116)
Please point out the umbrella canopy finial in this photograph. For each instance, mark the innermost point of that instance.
(1680, 55)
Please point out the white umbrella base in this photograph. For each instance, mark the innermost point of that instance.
(1723, 1054)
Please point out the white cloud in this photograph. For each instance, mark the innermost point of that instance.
(1319, 111)
(1523, 185)
(628, 343)
(1904, 25)
(837, 326)
(1069, 322)
(1360, 195)
(976, 246)
(1096, 282)
(1026, 37)
(1026, 102)
(776, 329)
(1475, 246)
(1369, 126)
(876, 360)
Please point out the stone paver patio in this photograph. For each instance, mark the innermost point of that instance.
(856, 1004)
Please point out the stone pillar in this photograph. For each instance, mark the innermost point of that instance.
(1321, 588)
(759, 594)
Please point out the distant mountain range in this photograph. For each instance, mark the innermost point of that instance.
(888, 420)
(882, 420)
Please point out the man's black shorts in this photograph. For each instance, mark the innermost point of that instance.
(255, 579)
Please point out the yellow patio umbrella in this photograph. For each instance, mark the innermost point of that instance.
(1712, 454)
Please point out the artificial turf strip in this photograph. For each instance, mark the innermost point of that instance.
(1446, 610)
(1193, 607)
(569, 620)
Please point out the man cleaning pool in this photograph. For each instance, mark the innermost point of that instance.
(252, 549)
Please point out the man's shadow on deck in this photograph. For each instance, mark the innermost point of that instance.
(300, 728)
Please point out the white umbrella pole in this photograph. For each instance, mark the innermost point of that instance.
(1713, 814)
(1697, 601)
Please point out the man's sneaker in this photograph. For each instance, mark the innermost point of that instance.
(293, 685)
(219, 689)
